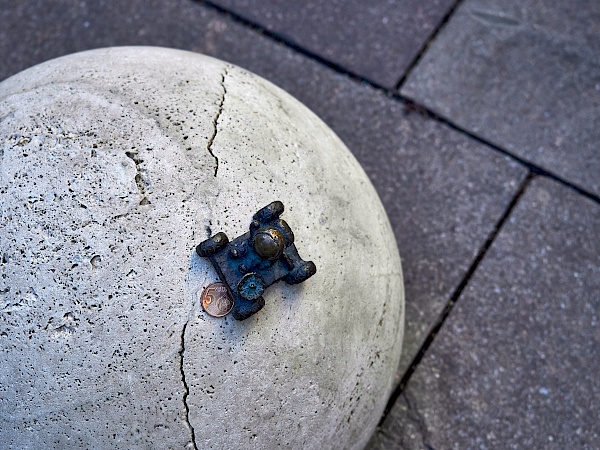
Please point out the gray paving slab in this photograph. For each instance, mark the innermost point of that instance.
(524, 74)
(516, 364)
(443, 192)
(34, 31)
(376, 40)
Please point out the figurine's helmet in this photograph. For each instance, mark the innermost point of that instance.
(269, 243)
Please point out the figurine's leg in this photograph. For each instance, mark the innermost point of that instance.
(269, 212)
(301, 273)
(212, 245)
(245, 308)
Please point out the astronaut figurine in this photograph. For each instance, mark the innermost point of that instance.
(257, 259)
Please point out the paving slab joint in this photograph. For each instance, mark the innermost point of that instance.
(400, 389)
(283, 40)
(412, 106)
(428, 42)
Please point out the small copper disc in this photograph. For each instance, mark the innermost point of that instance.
(216, 300)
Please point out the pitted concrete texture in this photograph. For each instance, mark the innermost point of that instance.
(115, 164)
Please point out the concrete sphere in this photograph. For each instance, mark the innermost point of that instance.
(114, 165)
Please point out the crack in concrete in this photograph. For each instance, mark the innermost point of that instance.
(185, 386)
(211, 140)
(139, 179)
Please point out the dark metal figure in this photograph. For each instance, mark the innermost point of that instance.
(254, 261)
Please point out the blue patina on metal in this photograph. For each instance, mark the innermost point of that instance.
(257, 259)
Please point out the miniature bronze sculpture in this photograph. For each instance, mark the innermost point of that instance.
(257, 259)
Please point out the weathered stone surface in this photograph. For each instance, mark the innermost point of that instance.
(516, 364)
(525, 75)
(115, 164)
(377, 40)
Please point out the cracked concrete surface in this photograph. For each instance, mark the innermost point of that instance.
(216, 123)
(95, 206)
(186, 388)
(104, 340)
(139, 176)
